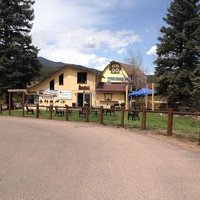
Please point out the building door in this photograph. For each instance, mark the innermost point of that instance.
(87, 98)
(84, 98)
(80, 99)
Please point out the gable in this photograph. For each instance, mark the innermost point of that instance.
(114, 72)
(69, 74)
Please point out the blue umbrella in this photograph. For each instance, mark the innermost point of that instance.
(141, 92)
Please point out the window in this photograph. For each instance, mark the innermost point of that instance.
(51, 85)
(118, 79)
(111, 78)
(115, 68)
(82, 77)
(61, 79)
(107, 96)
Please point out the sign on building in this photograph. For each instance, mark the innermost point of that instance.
(65, 94)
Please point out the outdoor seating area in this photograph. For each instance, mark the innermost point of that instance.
(4, 107)
(59, 112)
(110, 111)
(17, 106)
(82, 112)
(134, 115)
(94, 110)
(29, 110)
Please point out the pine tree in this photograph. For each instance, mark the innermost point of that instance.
(196, 90)
(179, 51)
(18, 57)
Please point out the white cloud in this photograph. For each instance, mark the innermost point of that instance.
(152, 50)
(111, 3)
(67, 31)
(62, 14)
(58, 15)
(81, 46)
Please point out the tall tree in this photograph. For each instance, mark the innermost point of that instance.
(135, 60)
(18, 57)
(196, 90)
(179, 51)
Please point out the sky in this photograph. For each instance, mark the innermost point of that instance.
(94, 32)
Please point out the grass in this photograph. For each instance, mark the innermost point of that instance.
(156, 121)
(183, 126)
(186, 126)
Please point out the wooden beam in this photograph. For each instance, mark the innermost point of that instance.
(17, 90)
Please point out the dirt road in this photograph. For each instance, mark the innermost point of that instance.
(54, 160)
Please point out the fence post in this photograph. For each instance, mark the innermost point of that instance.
(50, 109)
(23, 102)
(67, 113)
(122, 117)
(1, 108)
(23, 111)
(37, 111)
(9, 103)
(144, 116)
(87, 114)
(170, 122)
(101, 114)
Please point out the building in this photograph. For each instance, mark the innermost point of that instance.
(77, 85)
(70, 85)
(117, 79)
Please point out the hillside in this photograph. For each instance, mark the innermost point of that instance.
(49, 63)
(48, 67)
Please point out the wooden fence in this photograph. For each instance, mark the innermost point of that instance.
(170, 113)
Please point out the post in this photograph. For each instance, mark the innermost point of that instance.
(152, 97)
(37, 110)
(67, 113)
(1, 108)
(126, 105)
(87, 114)
(23, 100)
(9, 103)
(50, 109)
(146, 101)
(101, 114)
(122, 117)
(144, 119)
(170, 122)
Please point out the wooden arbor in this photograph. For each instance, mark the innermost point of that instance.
(22, 92)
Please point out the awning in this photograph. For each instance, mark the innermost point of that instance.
(142, 92)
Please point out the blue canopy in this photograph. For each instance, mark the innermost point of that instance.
(141, 92)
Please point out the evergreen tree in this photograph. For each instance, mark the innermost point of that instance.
(196, 90)
(18, 57)
(179, 51)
